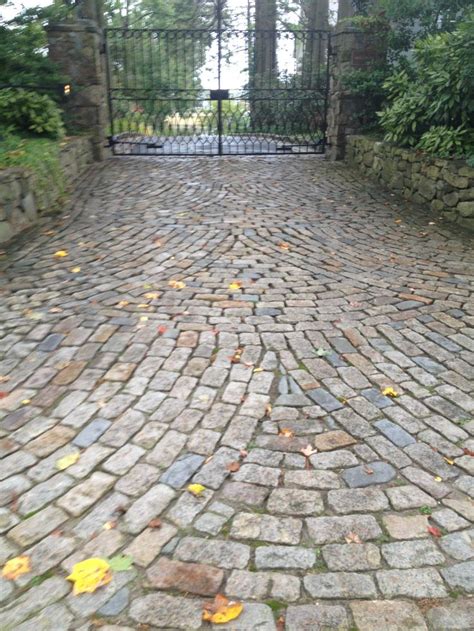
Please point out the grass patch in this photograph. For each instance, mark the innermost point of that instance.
(276, 605)
(37, 580)
(40, 156)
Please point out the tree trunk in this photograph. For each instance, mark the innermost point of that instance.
(315, 14)
(345, 9)
(265, 42)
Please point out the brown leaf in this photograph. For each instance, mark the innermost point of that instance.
(233, 466)
(268, 409)
(433, 530)
(280, 624)
(243, 454)
(155, 523)
(308, 451)
(368, 470)
(286, 433)
(468, 452)
(352, 537)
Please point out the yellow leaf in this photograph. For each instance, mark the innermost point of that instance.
(221, 610)
(143, 305)
(390, 392)
(143, 318)
(60, 254)
(235, 284)
(258, 369)
(152, 295)
(438, 478)
(67, 461)
(177, 284)
(76, 270)
(122, 303)
(16, 567)
(26, 401)
(196, 489)
(449, 461)
(90, 574)
(232, 611)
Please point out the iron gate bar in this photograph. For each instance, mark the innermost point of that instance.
(158, 105)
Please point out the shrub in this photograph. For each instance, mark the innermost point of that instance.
(27, 111)
(431, 102)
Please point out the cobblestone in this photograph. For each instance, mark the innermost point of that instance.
(224, 388)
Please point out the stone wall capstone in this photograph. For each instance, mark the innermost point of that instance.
(445, 186)
(21, 202)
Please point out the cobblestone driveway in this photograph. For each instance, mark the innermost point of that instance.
(342, 294)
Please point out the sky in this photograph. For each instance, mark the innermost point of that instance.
(15, 6)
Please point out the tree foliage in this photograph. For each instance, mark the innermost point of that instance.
(431, 100)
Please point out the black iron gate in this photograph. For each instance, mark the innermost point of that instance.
(217, 91)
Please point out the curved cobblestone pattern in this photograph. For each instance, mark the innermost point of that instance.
(338, 293)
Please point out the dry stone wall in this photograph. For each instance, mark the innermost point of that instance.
(446, 186)
(21, 201)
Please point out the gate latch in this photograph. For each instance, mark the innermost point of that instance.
(219, 95)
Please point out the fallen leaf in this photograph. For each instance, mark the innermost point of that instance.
(143, 318)
(122, 303)
(67, 461)
(436, 532)
(120, 563)
(25, 401)
(155, 523)
(75, 270)
(233, 466)
(258, 369)
(60, 254)
(449, 461)
(368, 470)
(196, 489)
(280, 623)
(157, 242)
(56, 310)
(177, 284)
(438, 478)
(390, 392)
(109, 525)
(235, 358)
(308, 451)
(152, 295)
(221, 610)
(284, 246)
(352, 537)
(243, 453)
(235, 284)
(4, 378)
(16, 567)
(321, 352)
(162, 329)
(268, 409)
(467, 452)
(287, 433)
(143, 305)
(89, 574)
(4, 394)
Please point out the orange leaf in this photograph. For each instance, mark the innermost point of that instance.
(16, 567)
(162, 329)
(3, 395)
(233, 466)
(287, 433)
(155, 523)
(284, 246)
(436, 532)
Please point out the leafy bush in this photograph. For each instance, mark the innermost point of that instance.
(431, 102)
(26, 111)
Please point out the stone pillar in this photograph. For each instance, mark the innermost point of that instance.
(77, 48)
(351, 49)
